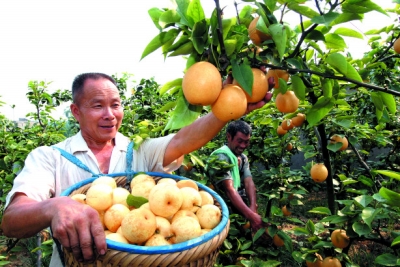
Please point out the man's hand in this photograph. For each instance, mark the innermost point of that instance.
(78, 228)
(255, 222)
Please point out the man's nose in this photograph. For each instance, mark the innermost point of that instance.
(108, 113)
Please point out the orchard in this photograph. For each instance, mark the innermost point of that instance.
(337, 112)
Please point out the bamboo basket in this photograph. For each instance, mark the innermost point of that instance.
(198, 252)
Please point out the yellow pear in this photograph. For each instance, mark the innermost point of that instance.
(167, 180)
(99, 196)
(105, 180)
(182, 213)
(143, 189)
(187, 183)
(163, 226)
(140, 178)
(209, 216)
(185, 228)
(138, 226)
(81, 198)
(157, 240)
(206, 198)
(120, 195)
(191, 199)
(114, 215)
(165, 200)
(117, 237)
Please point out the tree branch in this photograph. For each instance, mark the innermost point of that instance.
(223, 58)
(342, 78)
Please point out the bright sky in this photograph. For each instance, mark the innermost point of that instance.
(56, 40)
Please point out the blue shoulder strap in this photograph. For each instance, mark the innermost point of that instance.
(74, 160)
(77, 162)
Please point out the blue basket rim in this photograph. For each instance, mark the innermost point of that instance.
(162, 249)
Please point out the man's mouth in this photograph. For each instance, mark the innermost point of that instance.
(107, 127)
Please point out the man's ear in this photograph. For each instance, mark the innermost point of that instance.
(228, 136)
(75, 111)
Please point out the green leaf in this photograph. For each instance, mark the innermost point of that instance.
(319, 110)
(327, 87)
(243, 75)
(182, 40)
(195, 12)
(170, 85)
(387, 259)
(278, 33)
(227, 25)
(361, 228)
(320, 210)
(303, 10)
(155, 14)
(298, 87)
(182, 7)
(389, 102)
(300, 231)
(377, 100)
(230, 46)
(316, 36)
(361, 6)
(135, 201)
(346, 17)
(258, 234)
(349, 33)
(364, 200)
(334, 41)
(199, 36)
(325, 19)
(366, 181)
(395, 242)
(184, 114)
(159, 41)
(391, 197)
(340, 64)
(334, 146)
(168, 17)
(185, 49)
(310, 227)
(368, 215)
(287, 240)
(391, 174)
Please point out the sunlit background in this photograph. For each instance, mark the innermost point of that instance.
(56, 40)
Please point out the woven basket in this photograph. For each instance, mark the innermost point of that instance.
(198, 252)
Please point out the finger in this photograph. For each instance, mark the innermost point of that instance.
(271, 82)
(99, 238)
(268, 96)
(74, 244)
(86, 243)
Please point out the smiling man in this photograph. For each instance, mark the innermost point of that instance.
(34, 203)
(237, 183)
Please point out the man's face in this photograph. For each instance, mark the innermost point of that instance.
(238, 143)
(99, 111)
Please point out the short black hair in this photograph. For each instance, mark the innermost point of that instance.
(238, 126)
(79, 82)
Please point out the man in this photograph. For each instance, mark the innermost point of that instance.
(237, 183)
(34, 203)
